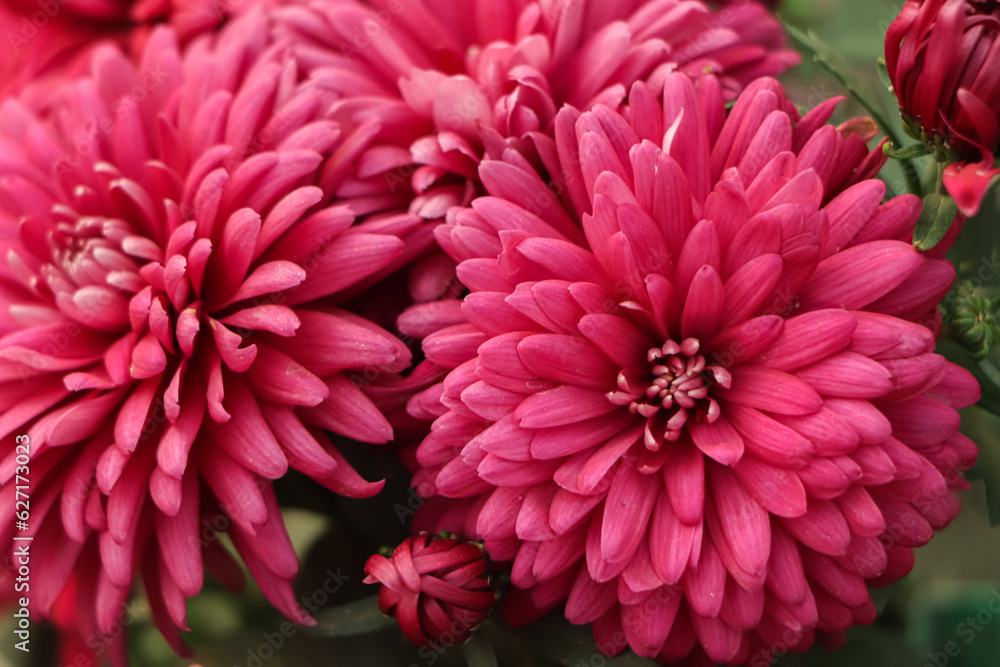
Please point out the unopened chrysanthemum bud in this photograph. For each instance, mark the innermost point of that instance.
(974, 321)
(435, 587)
(942, 57)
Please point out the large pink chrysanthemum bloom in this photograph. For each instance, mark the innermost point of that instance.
(482, 76)
(943, 58)
(174, 259)
(705, 418)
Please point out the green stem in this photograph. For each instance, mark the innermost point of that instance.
(910, 174)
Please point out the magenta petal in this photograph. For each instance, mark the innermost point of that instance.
(745, 526)
(616, 337)
(248, 439)
(349, 412)
(853, 278)
(822, 528)
(810, 337)
(563, 405)
(704, 584)
(179, 541)
(684, 478)
(567, 360)
(769, 440)
(669, 542)
(629, 504)
(848, 375)
(588, 599)
(968, 183)
(343, 263)
(785, 575)
(771, 390)
(277, 378)
(549, 443)
(172, 452)
(148, 358)
(703, 306)
(718, 440)
(334, 340)
(778, 490)
(125, 500)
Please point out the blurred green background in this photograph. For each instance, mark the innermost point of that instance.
(939, 616)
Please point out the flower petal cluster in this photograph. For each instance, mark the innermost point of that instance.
(478, 78)
(700, 407)
(436, 587)
(943, 57)
(173, 331)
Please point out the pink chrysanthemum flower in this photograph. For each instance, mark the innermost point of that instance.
(703, 419)
(436, 587)
(171, 336)
(481, 77)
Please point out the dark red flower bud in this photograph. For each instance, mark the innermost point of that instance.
(943, 58)
(435, 587)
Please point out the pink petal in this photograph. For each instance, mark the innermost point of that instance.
(741, 528)
(968, 183)
(563, 405)
(630, 502)
(777, 490)
(770, 390)
(810, 337)
(684, 478)
(568, 360)
(718, 440)
(349, 412)
(853, 278)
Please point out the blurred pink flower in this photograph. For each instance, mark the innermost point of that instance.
(696, 408)
(49, 39)
(188, 17)
(943, 58)
(436, 587)
(172, 325)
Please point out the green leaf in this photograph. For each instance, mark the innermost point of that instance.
(935, 220)
(573, 645)
(883, 73)
(354, 618)
(833, 63)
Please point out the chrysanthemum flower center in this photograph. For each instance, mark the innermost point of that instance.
(675, 387)
(80, 246)
(677, 378)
